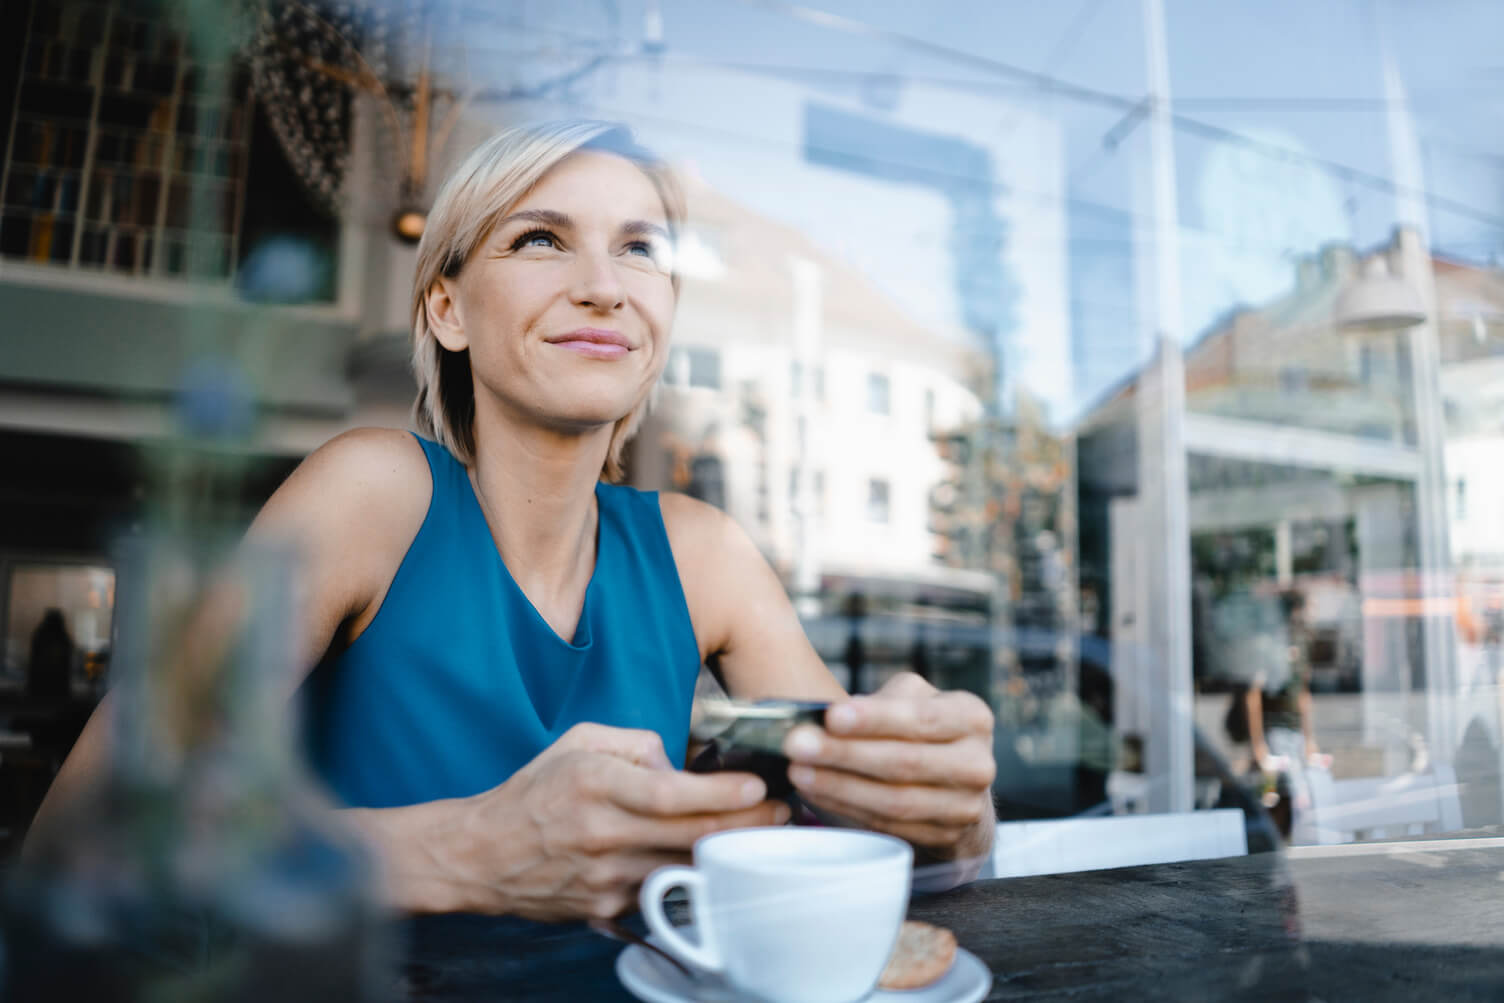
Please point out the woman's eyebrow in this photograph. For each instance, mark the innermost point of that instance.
(562, 221)
(641, 227)
(548, 217)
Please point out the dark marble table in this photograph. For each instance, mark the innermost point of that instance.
(1400, 921)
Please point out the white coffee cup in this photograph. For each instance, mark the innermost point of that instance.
(789, 914)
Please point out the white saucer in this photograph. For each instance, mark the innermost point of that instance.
(650, 978)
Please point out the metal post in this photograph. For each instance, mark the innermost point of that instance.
(1170, 759)
(1413, 264)
(1438, 627)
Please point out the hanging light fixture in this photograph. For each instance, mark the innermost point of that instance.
(1378, 302)
(309, 59)
(421, 64)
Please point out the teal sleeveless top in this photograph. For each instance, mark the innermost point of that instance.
(458, 682)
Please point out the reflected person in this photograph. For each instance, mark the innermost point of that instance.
(49, 665)
(506, 640)
(1281, 722)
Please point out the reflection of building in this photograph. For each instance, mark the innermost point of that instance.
(1282, 363)
(1306, 470)
(1470, 301)
(950, 204)
(1008, 506)
(804, 398)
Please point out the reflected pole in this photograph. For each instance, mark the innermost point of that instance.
(1412, 262)
(807, 324)
(1438, 584)
(1165, 529)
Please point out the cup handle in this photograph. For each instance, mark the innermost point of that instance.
(704, 955)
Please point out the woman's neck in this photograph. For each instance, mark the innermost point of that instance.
(536, 487)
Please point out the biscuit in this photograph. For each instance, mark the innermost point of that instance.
(924, 952)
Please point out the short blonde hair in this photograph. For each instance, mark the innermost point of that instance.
(480, 191)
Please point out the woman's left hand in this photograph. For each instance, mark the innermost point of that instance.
(907, 760)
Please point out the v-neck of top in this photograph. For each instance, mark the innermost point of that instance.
(455, 685)
(582, 639)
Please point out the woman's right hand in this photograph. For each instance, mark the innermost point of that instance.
(574, 833)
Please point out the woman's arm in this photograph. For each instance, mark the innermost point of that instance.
(571, 835)
(742, 617)
(907, 759)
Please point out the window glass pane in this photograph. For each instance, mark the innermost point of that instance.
(1135, 367)
(877, 500)
(877, 393)
(58, 621)
(704, 368)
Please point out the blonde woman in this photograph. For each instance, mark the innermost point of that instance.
(513, 639)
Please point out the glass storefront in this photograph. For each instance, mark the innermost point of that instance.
(1136, 367)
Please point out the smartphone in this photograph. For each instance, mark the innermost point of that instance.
(748, 736)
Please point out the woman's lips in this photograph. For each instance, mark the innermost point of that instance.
(593, 343)
(594, 349)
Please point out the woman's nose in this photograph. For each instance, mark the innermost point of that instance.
(597, 283)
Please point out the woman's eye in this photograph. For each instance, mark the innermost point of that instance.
(658, 253)
(535, 238)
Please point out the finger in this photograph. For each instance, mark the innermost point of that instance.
(636, 745)
(681, 833)
(927, 834)
(890, 802)
(907, 685)
(966, 763)
(615, 871)
(661, 794)
(939, 717)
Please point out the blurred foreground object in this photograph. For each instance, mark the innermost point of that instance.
(203, 865)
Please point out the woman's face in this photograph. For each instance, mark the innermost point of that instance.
(566, 306)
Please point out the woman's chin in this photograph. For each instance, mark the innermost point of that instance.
(584, 406)
(586, 416)
(574, 406)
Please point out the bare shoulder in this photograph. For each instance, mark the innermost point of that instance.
(689, 516)
(371, 478)
(703, 537)
(367, 455)
(352, 508)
